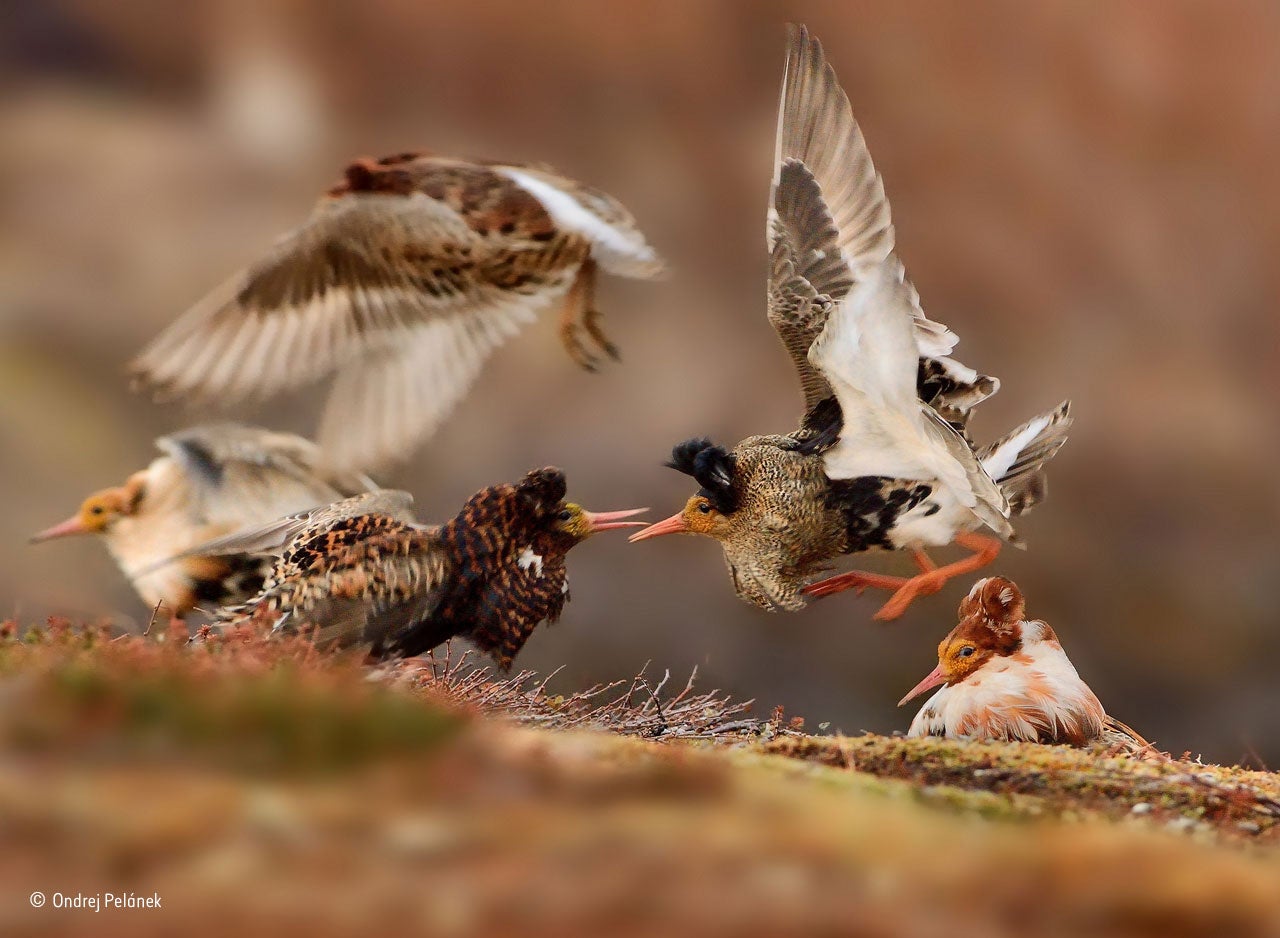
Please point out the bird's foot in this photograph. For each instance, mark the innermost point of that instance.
(925, 584)
(571, 339)
(855, 580)
(592, 323)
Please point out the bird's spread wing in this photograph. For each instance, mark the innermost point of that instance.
(807, 272)
(867, 352)
(364, 269)
(841, 301)
(401, 393)
(617, 242)
(829, 225)
(370, 278)
(237, 475)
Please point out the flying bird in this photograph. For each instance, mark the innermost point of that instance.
(882, 459)
(406, 277)
(364, 572)
(208, 481)
(1007, 678)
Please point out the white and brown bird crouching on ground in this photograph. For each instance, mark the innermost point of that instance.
(403, 281)
(364, 572)
(208, 481)
(1006, 677)
(882, 459)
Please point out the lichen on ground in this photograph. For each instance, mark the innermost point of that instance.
(251, 781)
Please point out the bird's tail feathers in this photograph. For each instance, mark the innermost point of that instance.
(1016, 461)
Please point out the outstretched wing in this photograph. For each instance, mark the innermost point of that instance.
(867, 352)
(829, 223)
(237, 476)
(405, 293)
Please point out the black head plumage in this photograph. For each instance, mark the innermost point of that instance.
(544, 488)
(712, 467)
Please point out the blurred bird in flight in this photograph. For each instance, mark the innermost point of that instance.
(406, 277)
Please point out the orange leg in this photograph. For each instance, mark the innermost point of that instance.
(930, 579)
(579, 314)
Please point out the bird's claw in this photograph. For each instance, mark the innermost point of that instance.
(592, 323)
(571, 337)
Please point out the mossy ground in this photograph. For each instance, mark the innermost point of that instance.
(262, 786)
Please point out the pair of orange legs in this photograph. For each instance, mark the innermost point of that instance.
(929, 580)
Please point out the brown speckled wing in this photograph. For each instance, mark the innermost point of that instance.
(404, 280)
(807, 274)
(828, 209)
(360, 581)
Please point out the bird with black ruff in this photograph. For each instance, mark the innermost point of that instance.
(207, 482)
(882, 459)
(365, 572)
(407, 276)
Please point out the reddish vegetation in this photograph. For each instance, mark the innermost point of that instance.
(253, 781)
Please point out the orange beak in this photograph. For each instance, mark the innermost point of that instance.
(673, 525)
(610, 520)
(935, 678)
(65, 529)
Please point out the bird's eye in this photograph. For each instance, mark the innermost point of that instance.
(565, 515)
(966, 651)
(96, 510)
(704, 507)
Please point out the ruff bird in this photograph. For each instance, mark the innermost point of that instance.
(208, 481)
(1007, 678)
(882, 459)
(406, 277)
(364, 572)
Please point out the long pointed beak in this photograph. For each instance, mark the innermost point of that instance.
(65, 529)
(935, 678)
(611, 520)
(673, 525)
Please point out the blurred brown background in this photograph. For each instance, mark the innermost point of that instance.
(1087, 193)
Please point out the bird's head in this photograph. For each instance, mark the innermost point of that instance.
(991, 626)
(97, 514)
(708, 511)
(577, 524)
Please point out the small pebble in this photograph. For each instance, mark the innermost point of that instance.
(1140, 808)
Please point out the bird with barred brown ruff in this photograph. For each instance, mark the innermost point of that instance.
(882, 459)
(1006, 677)
(406, 277)
(364, 572)
(209, 481)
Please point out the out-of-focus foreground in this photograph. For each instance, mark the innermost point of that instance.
(1087, 195)
(260, 787)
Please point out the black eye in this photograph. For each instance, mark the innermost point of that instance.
(96, 510)
(966, 651)
(704, 508)
(565, 515)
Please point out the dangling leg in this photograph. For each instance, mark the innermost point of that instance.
(591, 318)
(984, 550)
(861, 582)
(575, 315)
(930, 579)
